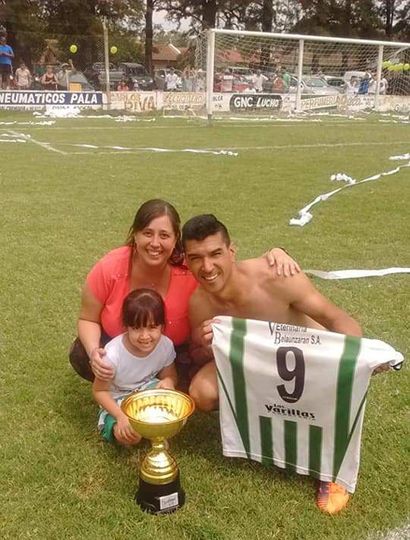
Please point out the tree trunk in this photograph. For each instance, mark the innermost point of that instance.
(267, 15)
(389, 14)
(266, 20)
(209, 10)
(148, 36)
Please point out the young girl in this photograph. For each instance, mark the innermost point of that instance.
(141, 357)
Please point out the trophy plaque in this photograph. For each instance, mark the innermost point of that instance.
(158, 415)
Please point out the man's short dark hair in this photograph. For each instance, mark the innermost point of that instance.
(200, 227)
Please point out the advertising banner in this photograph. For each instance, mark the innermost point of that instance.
(31, 99)
(183, 101)
(255, 102)
(134, 102)
(310, 103)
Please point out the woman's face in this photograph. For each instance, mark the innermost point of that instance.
(155, 243)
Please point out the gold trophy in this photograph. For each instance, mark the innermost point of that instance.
(157, 415)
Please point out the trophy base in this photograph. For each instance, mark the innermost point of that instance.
(160, 499)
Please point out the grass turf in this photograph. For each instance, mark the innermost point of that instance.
(61, 211)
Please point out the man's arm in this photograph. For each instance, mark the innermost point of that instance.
(200, 317)
(308, 300)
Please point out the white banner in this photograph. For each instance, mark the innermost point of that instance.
(134, 102)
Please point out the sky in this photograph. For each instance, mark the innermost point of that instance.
(159, 17)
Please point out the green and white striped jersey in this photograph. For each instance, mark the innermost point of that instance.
(295, 397)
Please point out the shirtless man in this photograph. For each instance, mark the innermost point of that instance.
(247, 289)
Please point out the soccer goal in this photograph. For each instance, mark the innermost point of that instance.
(260, 73)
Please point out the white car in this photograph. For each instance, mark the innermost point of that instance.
(332, 80)
(358, 75)
(313, 85)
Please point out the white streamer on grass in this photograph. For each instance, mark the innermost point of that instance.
(161, 150)
(400, 158)
(11, 138)
(305, 216)
(42, 123)
(352, 274)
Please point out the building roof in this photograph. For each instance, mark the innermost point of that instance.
(166, 52)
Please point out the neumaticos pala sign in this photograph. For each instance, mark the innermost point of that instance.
(255, 101)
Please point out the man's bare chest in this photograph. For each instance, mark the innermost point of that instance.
(256, 306)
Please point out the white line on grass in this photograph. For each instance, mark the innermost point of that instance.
(221, 151)
(195, 125)
(124, 149)
(45, 145)
(317, 145)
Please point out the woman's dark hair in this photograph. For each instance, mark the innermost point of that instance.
(143, 307)
(153, 209)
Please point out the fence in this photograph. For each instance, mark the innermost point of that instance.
(244, 72)
(298, 69)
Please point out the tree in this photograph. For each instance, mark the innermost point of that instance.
(343, 18)
(79, 22)
(395, 15)
(148, 35)
(24, 23)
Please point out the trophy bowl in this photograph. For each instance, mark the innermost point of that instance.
(158, 415)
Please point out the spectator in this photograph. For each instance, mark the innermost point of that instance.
(23, 77)
(227, 81)
(383, 85)
(49, 79)
(278, 84)
(199, 85)
(6, 57)
(251, 89)
(188, 79)
(132, 85)
(122, 86)
(285, 77)
(171, 80)
(372, 83)
(258, 79)
(364, 85)
(351, 86)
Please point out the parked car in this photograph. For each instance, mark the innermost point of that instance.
(130, 71)
(337, 82)
(356, 74)
(313, 85)
(66, 75)
(239, 84)
(138, 74)
(241, 72)
(159, 78)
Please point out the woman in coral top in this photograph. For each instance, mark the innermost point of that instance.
(151, 258)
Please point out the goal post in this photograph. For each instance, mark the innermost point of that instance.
(271, 73)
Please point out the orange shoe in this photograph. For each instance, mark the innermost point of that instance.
(331, 498)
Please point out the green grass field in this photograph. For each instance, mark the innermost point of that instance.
(61, 210)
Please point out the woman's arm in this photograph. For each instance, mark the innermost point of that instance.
(89, 332)
(168, 377)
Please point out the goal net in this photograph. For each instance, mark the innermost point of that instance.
(268, 74)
